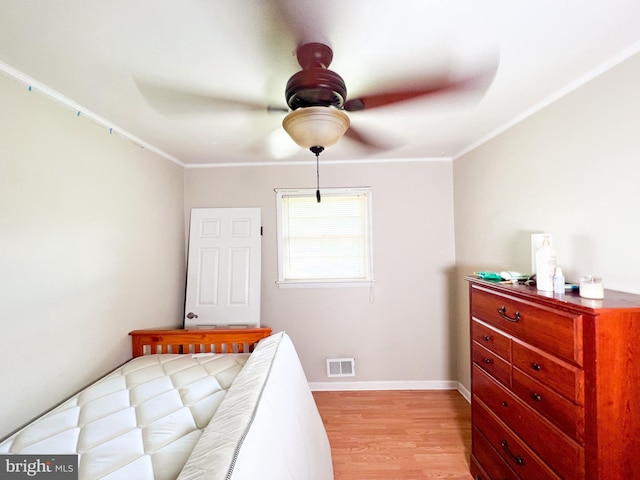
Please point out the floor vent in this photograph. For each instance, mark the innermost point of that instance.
(341, 367)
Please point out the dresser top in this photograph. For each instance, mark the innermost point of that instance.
(613, 299)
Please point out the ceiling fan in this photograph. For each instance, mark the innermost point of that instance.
(317, 100)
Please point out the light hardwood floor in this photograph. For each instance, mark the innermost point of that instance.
(397, 435)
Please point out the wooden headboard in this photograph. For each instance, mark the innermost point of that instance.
(241, 340)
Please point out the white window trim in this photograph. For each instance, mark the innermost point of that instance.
(328, 283)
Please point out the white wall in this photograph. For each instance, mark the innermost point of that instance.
(573, 170)
(91, 247)
(399, 332)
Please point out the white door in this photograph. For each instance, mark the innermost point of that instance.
(223, 268)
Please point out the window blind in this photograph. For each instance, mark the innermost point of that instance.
(329, 240)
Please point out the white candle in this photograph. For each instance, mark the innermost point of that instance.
(591, 287)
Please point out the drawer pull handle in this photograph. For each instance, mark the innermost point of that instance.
(487, 360)
(505, 404)
(536, 366)
(487, 338)
(503, 313)
(536, 396)
(516, 458)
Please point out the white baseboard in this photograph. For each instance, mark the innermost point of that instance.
(385, 385)
(464, 392)
(392, 385)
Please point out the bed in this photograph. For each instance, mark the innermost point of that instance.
(191, 405)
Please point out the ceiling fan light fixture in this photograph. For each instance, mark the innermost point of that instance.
(316, 126)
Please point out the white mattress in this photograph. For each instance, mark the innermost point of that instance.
(155, 415)
(267, 427)
(139, 422)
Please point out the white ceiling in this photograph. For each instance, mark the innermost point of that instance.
(97, 54)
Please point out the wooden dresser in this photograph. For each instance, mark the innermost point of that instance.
(555, 383)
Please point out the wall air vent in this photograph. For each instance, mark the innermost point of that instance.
(341, 367)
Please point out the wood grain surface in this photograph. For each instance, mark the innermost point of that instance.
(397, 435)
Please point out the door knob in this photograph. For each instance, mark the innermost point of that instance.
(191, 315)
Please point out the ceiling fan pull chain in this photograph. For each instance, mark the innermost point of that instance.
(317, 150)
(318, 177)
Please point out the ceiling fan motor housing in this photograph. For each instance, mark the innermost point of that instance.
(315, 85)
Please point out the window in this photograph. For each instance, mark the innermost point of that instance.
(326, 243)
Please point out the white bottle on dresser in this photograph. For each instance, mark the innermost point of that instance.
(545, 266)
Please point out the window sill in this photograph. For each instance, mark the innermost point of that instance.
(325, 283)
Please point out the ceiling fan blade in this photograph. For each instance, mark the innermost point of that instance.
(175, 101)
(275, 143)
(372, 142)
(477, 83)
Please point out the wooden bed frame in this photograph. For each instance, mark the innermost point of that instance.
(241, 340)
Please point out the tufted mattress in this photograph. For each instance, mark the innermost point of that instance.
(202, 416)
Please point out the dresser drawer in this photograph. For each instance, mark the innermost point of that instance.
(564, 378)
(552, 330)
(566, 415)
(561, 453)
(512, 451)
(477, 472)
(491, 363)
(492, 463)
(492, 339)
